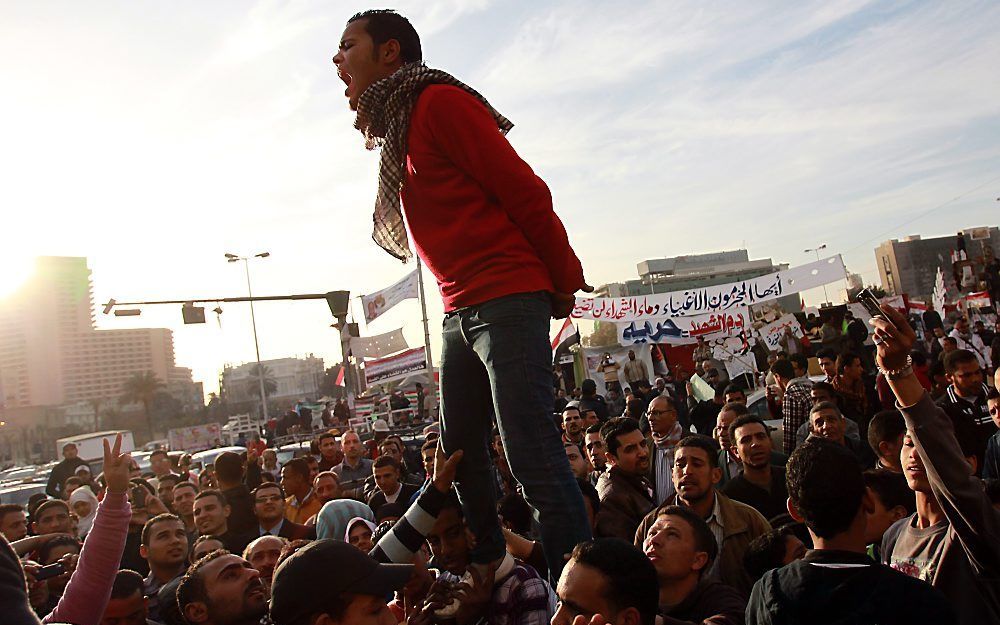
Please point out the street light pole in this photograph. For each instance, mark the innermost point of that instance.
(817, 250)
(232, 258)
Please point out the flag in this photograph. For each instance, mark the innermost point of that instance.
(567, 334)
(380, 301)
(380, 345)
(340, 376)
(940, 291)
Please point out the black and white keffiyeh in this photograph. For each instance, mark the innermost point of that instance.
(384, 111)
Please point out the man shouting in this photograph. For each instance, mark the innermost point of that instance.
(483, 223)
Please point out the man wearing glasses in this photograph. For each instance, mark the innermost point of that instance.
(269, 508)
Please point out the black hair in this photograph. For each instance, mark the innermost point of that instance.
(320, 438)
(147, 529)
(958, 357)
(428, 445)
(192, 587)
(229, 467)
(629, 577)
(783, 368)
(387, 461)
(704, 540)
(736, 408)
(745, 420)
(826, 352)
(886, 425)
(767, 551)
(706, 444)
(735, 388)
(635, 408)
(186, 483)
(266, 485)
(588, 387)
(845, 360)
(891, 489)
(298, 465)
(212, 492)
(127, 583)
(825, 485)
(615, 427)
(826, 386)
(800, 361)
(590, 494)
(593, 429)
(170, 477)
(918, 357)
(8, 508)
(61, 540)
(385, 24)
(159, 452)
(516, 512)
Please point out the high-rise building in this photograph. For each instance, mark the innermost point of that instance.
(909, 265)
(678, 273)
(52, 355)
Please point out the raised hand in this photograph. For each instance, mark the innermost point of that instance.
(445, 468)
(116, 467)
(893, 338)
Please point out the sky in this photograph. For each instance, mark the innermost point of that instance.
(154, 137)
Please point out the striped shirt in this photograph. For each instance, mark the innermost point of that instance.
(523, 598)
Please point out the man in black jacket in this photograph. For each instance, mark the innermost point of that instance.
(229, 472)
(63, 471)
(836, 582)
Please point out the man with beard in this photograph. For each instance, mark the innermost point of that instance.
(165, 548)
(572, 424)
(625, 491)
(734, 525)
(222, 589)
(262, 554)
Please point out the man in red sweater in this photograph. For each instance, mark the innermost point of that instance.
(483, 223)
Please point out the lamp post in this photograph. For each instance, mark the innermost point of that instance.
(826, 297)
(233, 258)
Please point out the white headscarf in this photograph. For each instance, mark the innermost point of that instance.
(84, 493)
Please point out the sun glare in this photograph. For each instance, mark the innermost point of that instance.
(14, 270)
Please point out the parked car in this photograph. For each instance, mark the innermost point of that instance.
(18, 474)
(202, 458)
(291, 450)
(20, 493)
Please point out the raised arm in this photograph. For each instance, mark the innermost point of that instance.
(959, 493)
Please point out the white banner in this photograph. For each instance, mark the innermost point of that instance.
(395, 367)
(379, 345)
(684, 330)
(195, 438)
(772, 332)
(719, 298)
(734, 353)
(380, 301)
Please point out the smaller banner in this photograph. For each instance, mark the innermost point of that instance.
(195, 438)
(684, 330)
(977, 300)
(380, 301)
(380, 345)
(771, 333)
(395, 367)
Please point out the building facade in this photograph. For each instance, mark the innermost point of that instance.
(293, 379)
(909, 266)
(53, 359)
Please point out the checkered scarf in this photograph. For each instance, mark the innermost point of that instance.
(384, 111)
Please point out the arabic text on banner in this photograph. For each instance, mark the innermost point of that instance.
(395, 367)
(718, 298)
(772, 332)
(380, 301)
(380, 345)
(684, 330)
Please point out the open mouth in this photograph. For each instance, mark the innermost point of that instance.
(347, 80)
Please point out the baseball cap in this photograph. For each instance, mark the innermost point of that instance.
(298, 592)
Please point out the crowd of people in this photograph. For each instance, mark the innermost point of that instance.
(868, 516)
(874, 503)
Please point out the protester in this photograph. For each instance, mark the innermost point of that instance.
(953, 540)
(159, 463)
(773, 550)
(826, 421)
(760, 485)
(222, 589)
(572, 424)
(230, 473)
(891, 500)
(204, 545)
(624, 488)
(594, 445)
(63, 471)
(850, 387)
(183, 504)
(51, 517)
(269, 510)
(13, 522)
(84, 504)
(665, 433)
(578, 464)
(795, 401)
(326, 486)
(359, 534)
(607, 581)
(330, 452)
(970, 341)
(634, 370)
(211, 517)
(389, 485)
(682, 549)
(262, 554)
(885, 438)
(354, 469)
(702, 415)
(836, 581)
(733, 524)
(729, 458)
(965, 402)
(302, 502)
(165, 548)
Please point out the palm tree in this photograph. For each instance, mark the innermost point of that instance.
(141, 388)
(270, 384)
(95, 405)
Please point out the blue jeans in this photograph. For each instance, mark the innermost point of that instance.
(497, 360)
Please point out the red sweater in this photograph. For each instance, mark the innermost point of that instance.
(480, 219)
